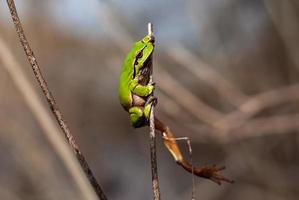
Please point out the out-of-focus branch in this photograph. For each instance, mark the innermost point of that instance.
(285, 19)
(267, 125)
(256, 104)
(207, 74)
(53, 105)
(51, 131)
(187, 99)
(262, 126)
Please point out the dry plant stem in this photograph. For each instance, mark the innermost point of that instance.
(54, 108)
(49, 128)
(154, 168)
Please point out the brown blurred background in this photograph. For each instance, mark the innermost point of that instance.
(227, 76)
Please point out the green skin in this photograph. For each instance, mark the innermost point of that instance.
(134, 96)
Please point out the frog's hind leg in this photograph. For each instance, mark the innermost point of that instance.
(136, 117)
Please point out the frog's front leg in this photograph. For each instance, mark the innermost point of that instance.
(141, 90)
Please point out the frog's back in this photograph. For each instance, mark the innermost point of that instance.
(124, 93)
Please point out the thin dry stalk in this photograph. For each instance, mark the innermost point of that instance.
(50, 98)
(154, 167)
(51, 131)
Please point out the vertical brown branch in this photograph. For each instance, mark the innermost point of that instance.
(53, 105)
(154, 168)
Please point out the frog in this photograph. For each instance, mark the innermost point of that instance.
(135, 94)
(135, 88)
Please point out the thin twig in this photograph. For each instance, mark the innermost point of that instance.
(53, 106)
(44, 119)
(154, 168)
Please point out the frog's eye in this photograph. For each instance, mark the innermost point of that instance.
(139, 55)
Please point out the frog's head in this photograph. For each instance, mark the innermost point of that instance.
(143, 51)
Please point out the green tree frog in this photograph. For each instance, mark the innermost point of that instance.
(134, 87)
(135, 95)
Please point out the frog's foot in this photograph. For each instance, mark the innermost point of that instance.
(211, 172)
(150, 102)
(136, 117)
(152, 83)
(151, 88)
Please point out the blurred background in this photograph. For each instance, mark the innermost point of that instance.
(227, 77)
